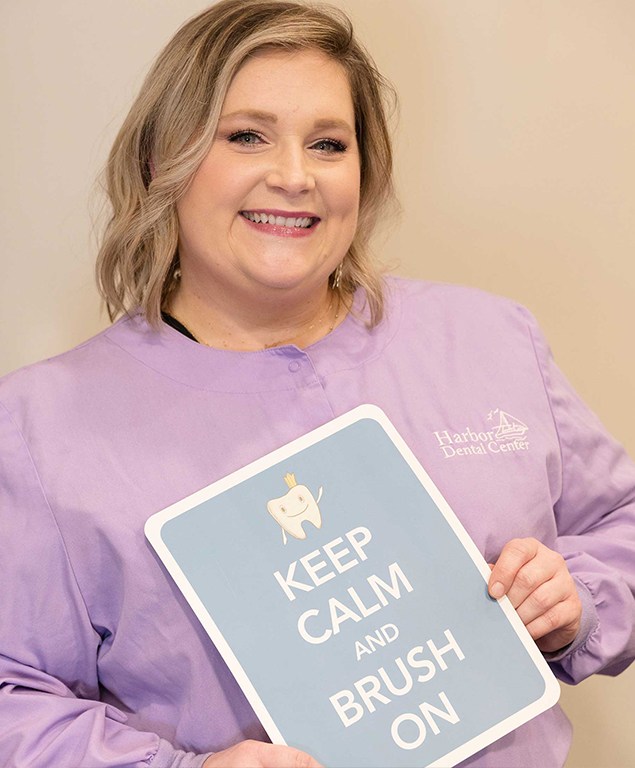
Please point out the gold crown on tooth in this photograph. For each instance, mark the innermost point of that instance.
(290, 480)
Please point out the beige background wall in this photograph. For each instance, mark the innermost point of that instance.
(516, 168)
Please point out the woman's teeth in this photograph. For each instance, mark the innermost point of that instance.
(279, 221)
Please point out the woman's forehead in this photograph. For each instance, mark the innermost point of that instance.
(280, 81)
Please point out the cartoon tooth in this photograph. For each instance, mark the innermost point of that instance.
(296, 506)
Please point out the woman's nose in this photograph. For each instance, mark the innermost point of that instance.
(291, 171)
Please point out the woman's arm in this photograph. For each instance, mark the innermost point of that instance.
(50, 713)
(579, 600)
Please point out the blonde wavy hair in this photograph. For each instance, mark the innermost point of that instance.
(171, 126)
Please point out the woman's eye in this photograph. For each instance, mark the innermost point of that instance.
(330, 146)
(245, 138)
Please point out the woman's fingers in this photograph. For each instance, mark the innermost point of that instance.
(558, 626)
(538, 584)
(513, 557)
(258, 754)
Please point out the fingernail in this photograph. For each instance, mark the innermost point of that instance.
(497, 590)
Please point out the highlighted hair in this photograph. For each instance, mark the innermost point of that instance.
(171, 126)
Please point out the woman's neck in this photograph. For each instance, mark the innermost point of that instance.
(242, 326)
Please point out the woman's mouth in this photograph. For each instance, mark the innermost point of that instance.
(288, 222)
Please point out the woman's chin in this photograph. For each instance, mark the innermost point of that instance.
(299, 282)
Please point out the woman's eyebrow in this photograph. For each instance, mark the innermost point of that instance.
(334, 122)
(269, 117)
(253, 114)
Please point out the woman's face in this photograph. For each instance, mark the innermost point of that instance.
(273, 207)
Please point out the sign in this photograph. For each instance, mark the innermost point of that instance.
(351, 605)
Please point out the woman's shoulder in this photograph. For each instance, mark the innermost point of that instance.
(448, 302)
(81, 367)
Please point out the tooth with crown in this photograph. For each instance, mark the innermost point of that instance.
(294, 508)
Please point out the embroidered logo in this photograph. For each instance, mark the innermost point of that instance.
(507, 434)
(291, 510)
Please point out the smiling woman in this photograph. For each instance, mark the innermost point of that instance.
(276, 89)
(244, 184)
(272, 210)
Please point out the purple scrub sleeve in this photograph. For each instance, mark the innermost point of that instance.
(102, 662)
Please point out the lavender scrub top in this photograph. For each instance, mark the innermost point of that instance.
(102, 662)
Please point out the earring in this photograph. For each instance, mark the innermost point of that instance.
(336, 277)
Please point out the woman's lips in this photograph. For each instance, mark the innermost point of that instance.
(281, 223)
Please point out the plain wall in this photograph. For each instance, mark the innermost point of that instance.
(515, 166)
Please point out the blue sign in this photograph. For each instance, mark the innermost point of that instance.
(351, 605)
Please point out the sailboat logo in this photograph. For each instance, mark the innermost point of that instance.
(508, 427)
(505, 434)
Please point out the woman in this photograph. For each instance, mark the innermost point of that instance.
(244, 184)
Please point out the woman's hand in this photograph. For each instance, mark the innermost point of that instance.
(259, 754)
(538, 583)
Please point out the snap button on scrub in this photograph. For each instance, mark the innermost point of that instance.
(294, 366)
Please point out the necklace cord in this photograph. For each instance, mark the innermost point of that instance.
(282, 342)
